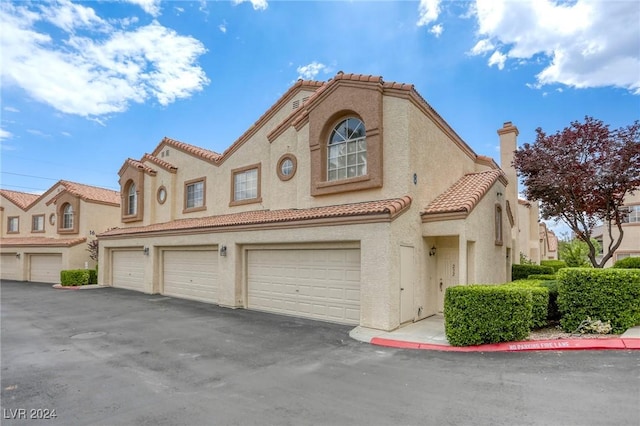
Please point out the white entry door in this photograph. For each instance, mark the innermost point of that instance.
(407, 274)
(447, 273)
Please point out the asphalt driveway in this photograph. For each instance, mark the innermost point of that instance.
(111, 357)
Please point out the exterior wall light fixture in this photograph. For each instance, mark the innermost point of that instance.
(223, 251)
(146, 251)
(432, 251)
(17, 255)
(499, 194)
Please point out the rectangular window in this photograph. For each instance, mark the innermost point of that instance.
(37, 223)
(194, 195)
(498, 225)
(633, 215)
(13, 225)
(245, 185)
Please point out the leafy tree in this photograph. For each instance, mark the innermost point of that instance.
(581, 175)
(93, 249)
(575, 252)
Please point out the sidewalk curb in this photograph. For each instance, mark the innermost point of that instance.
(77, 287)
(613, 343)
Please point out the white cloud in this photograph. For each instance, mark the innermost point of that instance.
(310, 71)
(38, 133)
(152, 7)
(497, 58)
(11, 109)
(70, 16)
(93, 75)
(65, 134)
(5, 134)
(583, 43)
(223, 27)
(437, 30)
(428, 11)
(257, 4)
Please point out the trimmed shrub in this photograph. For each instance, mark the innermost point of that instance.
(542, 277)
(553, 313)
(555, 264)
(477, 314)
(600, 294)
(71, 277)
(519, 272)
(539, 299)
(628, 263)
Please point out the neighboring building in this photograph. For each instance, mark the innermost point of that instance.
(630, 246)
(548, 243)
(44, 234)
(350, 201)
(529, 243)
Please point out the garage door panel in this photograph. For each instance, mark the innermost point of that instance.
(45, 268)
(9, 265)
(320, 284)
(191, 274)
(128, 269)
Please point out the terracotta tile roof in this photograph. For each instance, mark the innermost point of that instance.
(388, 208)
(92, 193)
(40, 242)
(161, 163)
(20, 199)
(203, 153)
(130, 162)
(465, 194)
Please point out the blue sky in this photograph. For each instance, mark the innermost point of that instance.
(87, 84)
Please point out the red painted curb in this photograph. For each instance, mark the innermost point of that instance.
(532, 345)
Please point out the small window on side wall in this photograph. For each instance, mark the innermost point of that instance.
(245, 185)
(498, 225)
(287, 166)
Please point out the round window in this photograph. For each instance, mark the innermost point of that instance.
(52, 218)
(287, 167)
(162, 195)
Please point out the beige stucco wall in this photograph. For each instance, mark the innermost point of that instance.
(631, 239)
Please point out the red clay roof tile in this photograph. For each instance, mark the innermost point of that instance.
(465, 194)
(40, 242)
(20, 199)
(390, 208)
(161, 163)
(92, 193)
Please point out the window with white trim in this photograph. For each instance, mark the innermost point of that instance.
(67, 217)
(632, 215)
(13, 224)
(37, 223)
(347, 150)
(245, 185)
(132, 199)
(194, 197)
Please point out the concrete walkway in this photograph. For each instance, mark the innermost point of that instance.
(429, 334)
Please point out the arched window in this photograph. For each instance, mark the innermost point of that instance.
(347, 150)
(67, 217)
(132, 199)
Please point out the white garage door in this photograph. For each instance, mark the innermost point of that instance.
(45, 268)
(128, 269)
(9, 266)
(191, 274)
(318, 284)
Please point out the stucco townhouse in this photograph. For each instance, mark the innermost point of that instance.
(44, 234)
(630, 245)
(349, 201)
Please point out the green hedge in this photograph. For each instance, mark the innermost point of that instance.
(553, 313)
(539, 299)
(477, 314)
(628, 263)
(72, 277)
(520, 272)
(541, 277)
(601, 294)
(555, 264)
